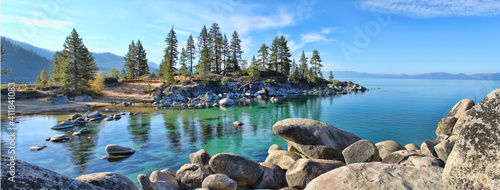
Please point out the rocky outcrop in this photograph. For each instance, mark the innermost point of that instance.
(474, 162)
(444, 148)
(219, 182)
(191, 176)
(242, 170)
(427, 148)
(108, 180)
(314, 139)
(282, 158)
(28, 176)
(361, 151)
(273, 177)
(375, 175)
(461, 107)
(201, 157)
(387, 147)
(302, 171)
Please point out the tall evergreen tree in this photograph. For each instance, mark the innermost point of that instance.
(131, 61)
(331, 76)
(113, 73)
(284, 56)
(42, 80)
(253, 70)
(316, 63)
(74, 67)
(203, 44)
(183, 62)
(236, 52)
(142, 60)
(225, 52)
(294, 72)
(263, 56)
(170, 57)
(190, 50)
(123, 74)
(273, 60)
(216, 46)
(303, 65)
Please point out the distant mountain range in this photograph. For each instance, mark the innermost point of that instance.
(27, 61)
(438, 75)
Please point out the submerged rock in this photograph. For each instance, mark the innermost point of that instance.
(314, 139)
(114, 149)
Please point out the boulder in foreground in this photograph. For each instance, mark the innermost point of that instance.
(474, 162)
(375, 175)
(29, 176)
(108, 180)
(314, 139)
(241, 169)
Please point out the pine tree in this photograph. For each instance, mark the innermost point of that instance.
(142, 60)
(316, 63)
(303, 65)
(253, 70)
(236, 52)
(273, 61)
(74, 67)
(170, 57)
(190, 50)
(5, 71)
(216, 46)
(331, 76)
(294, 76)
(225, 52)
(113, 73)
(42, 80)
(263, 56)
(284, 56)
(123, 74)
(131, 61)
(183, 62)
(203, 43)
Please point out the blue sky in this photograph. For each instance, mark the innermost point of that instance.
(393, 36)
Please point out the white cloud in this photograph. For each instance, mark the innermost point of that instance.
(38, 20)
(245, 23)
(328, 30)
(434, 8)
(309, 38)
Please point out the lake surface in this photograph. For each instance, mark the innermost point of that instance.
(403, 110)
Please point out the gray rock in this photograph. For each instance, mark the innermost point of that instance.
(425, 161)
(170, 171)
(399, 156)
(75, 116)
(76, 133)
(361, 151)
(282, 158)
(443, 149)
(37, 148)
(387, 147)
(163, 180)
(474, 162)
(448, 125)
(84, 98)
(458, 125)
(376, 175)
(191, 176)
(273, 148)
(201, 157)
(237, 123)
(117, 116)
(60, 99)
(226, 102)
(412, 147)
(60, 137)
(96, 115)
(84, 131)
(114, 149)
(304, 170)
(29, 176)
(314, 139)
(272, 178)
(219, 182)
(63, 125)
(461, 107)
(427, 148)
(242, 170)
(145, 183)
(108, 180)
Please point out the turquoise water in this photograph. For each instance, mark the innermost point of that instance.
(406, 111)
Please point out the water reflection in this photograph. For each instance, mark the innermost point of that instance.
(139, 128)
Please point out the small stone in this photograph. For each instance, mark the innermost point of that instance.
(114, 149)
(237, 123)
(37, 148)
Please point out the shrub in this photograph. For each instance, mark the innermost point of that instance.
(224, 81)
(337, 83)
(97, 84)
(148, 88)
(27, 89)
(440, 124)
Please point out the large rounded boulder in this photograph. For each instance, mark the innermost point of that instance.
(304, 170)
(242, 170)
(314, 139)
(108, 180)
(387, 147)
